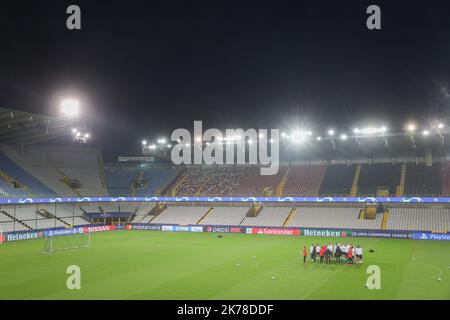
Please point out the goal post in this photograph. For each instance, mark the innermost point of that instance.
(54, 243)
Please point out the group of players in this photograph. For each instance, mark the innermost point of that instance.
(334, 252)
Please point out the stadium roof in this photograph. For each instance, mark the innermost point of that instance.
(24, 128)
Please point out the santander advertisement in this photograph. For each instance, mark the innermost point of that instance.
(274, 231)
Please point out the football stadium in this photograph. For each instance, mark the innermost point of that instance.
(186, 151)
(144, 228)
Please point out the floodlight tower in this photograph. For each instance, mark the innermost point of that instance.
(70, 112)
(144, 146)
(331, 134)
(440, 127)
(383, 130)
(412, 129)
(70, 109)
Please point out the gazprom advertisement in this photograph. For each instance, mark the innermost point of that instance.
(232, 199)
(62, 232)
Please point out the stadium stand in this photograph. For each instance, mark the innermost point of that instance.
(8, 191)
(37, 162)
(182, 215)
(142, 213)
(320, 217)
(208, 180)
(42, 216)
(304, 180)
(7, 223)
(82, 167)
(421, 219)
(120, 178)
(152, 180)
(380, 175)
(252, 183)
(423, 180)
(27, 184)
(231, 216)
(337, 180)
(268, 216)
(28, 214)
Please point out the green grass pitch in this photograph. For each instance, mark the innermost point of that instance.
(165, 265)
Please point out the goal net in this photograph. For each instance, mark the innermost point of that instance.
(65, 242)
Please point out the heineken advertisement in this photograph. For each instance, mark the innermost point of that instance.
(325, 233)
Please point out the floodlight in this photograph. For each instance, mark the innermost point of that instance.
(188, 145)
(297, 136)
(271, 140)
(331, 132)
(86, 135)
(425, 132)
(144, 142)
(70, 108)
(283, 134)
(250, 141)
(411, 127)
(74, 130)
(356, 130)
(369, 130)
(344, 136)
(169, 146)
(261, 135)
(440, 126)
(383, 129)
(319, 138)
(198, 139)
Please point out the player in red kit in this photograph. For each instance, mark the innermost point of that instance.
(350, 255)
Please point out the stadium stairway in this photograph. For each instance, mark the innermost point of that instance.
(200, 189)
(289, 217)
(361, 214)
(138, 178)
(15, 219)
(384, 221)
(65, 178)
(173, 192)
(267, 192)
(10, 181)
(205, 215)
(354, 190)
(400, 191)
(254, 210)
(48, 215)
(156, 211)
(279, 190)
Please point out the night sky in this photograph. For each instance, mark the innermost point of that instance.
(144, 68)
